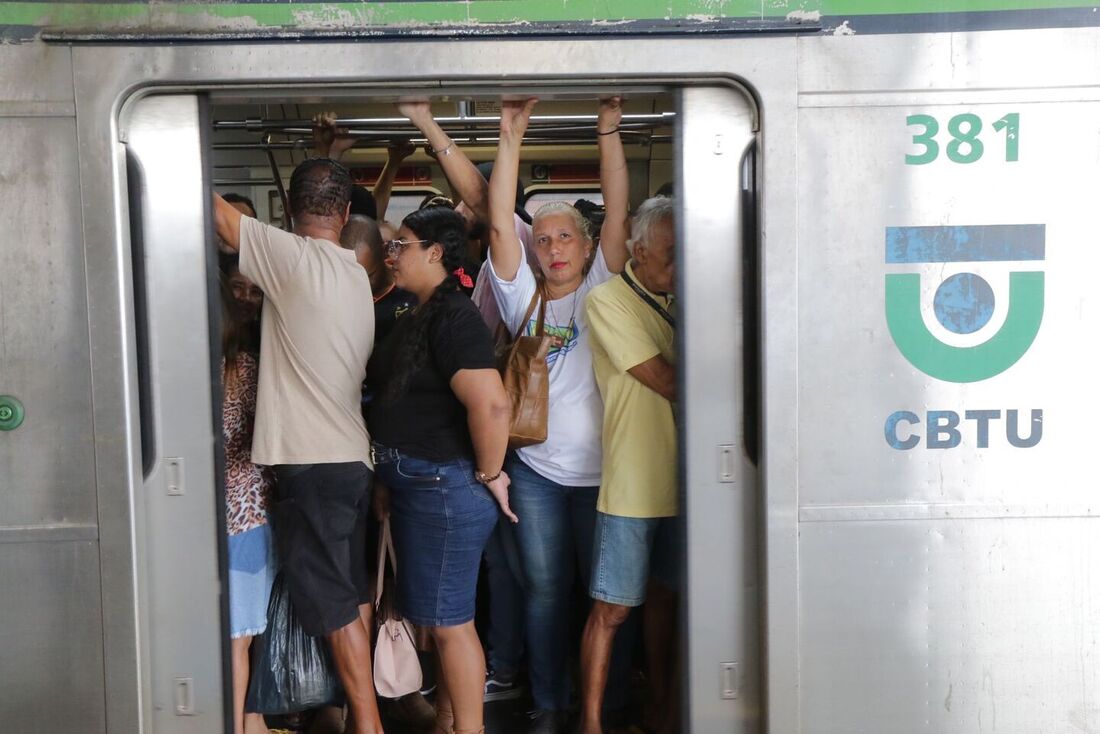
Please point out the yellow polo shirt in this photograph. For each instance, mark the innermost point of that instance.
(639, 432)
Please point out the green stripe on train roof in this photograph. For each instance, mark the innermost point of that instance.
(242, 15)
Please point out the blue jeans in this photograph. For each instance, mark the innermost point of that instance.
(555, 532)
(505, 634)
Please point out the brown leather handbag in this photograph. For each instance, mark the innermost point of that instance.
(527, 378)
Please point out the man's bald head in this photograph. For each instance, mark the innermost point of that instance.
(362, 236)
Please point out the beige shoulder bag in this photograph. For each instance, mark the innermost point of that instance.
(396, 665)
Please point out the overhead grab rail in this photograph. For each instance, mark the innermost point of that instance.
(462, 123)
(639, 129)
(306, 143)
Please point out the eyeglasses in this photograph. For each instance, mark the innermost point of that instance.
(394, 248)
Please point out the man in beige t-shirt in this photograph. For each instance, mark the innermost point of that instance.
(317, 329)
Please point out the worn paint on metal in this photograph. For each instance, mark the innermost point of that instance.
(285, 12)
(288, 19)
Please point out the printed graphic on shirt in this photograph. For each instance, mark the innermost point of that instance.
(565, 339)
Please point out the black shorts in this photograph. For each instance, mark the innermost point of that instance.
(320, 534)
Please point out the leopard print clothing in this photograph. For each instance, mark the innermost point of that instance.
(247, 486)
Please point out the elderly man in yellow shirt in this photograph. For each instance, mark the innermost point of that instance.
(635, 553)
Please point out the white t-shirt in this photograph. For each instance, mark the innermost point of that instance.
(483, 296)
(571, 454)
(317, 330)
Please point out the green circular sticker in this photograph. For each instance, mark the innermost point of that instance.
(11, 413)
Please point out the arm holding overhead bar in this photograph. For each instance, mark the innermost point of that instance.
(614, 184)
(383, 187)
(330, 141)
(505, 249)
(467, 182)
(227, 223)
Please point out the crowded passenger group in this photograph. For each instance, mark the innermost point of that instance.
(382, 380)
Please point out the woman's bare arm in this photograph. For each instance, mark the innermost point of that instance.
(505, 249)
(383, 187)
(488, 415)
(466, 181)
(615, 186)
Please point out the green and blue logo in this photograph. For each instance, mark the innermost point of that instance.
(964, 302)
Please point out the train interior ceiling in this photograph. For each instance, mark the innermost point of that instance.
(560, 158)
(255, 137)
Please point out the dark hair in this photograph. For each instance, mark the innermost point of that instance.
(667, 189)
(228, 262)
(320, 187)
(363, 202)
(237, 332)
(445, 227)
(232, 198)
(593, 212)
(486, 170)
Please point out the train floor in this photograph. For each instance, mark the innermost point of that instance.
(501, 717)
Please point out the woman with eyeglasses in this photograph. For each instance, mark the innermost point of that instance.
(555, 484)
(439, 420)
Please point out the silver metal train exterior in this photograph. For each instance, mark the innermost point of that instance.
(917, 548)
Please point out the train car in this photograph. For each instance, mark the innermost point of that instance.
(886, 223)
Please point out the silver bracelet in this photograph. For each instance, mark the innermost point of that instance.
(445, 151)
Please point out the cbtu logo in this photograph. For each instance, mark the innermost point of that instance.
(964, 305)
(964, 302)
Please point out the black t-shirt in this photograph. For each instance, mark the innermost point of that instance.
(427, 420)
(388, 309)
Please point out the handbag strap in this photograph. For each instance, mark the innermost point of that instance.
(385, 550)
(664, 314)
(540, 330)
(537, 298)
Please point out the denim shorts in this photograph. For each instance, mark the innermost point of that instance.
(441, 519)
(628, 551)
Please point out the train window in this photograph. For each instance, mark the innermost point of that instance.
(406, 201)
(537, 197)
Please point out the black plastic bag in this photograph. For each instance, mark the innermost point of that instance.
(291, 671)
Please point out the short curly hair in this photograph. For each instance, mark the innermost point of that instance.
(320, 187)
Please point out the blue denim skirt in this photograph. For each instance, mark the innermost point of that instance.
(441, 519)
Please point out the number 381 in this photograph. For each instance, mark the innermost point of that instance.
(965, 146)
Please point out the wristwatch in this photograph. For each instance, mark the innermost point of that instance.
(485, 478)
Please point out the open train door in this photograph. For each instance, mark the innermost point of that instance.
(717, 317)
